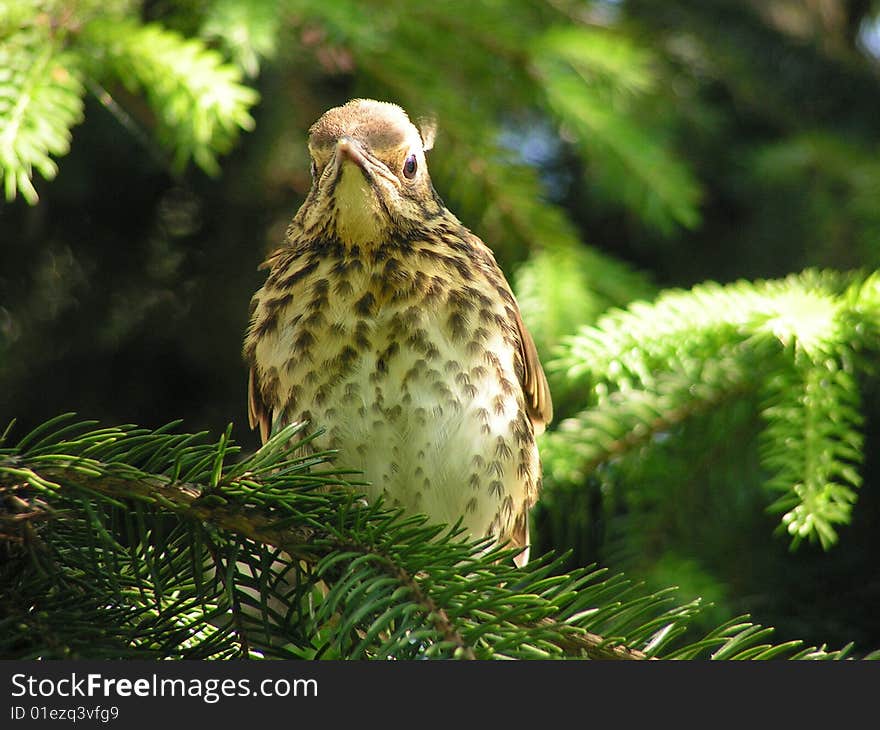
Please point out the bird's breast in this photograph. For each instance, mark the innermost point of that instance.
(412, 374)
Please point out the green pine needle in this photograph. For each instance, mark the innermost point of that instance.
(122, 561)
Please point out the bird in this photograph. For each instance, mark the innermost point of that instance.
(388, 326)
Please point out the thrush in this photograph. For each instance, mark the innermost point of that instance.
(385, 322)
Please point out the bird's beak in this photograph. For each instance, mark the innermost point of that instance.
(351, 150)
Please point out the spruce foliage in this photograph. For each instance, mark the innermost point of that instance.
(50, 54)
(123, 542)
(794, 344)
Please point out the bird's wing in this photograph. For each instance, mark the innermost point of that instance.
(534, 382)
(259, 414)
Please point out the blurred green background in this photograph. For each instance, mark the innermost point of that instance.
(606, 151)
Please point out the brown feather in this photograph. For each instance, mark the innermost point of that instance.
(535, 387)
(258, 412)
(519, 537)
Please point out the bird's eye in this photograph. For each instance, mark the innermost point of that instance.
(410, 167)
(314, 169)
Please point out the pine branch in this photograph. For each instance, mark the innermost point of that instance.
(40, 100)
(819, 401)
(49, 53)
(562, 287)
(624, 421)
(792, 342)
(248, 31)
(392, 586)
(591, 78)
(299, 541)
(199, 101)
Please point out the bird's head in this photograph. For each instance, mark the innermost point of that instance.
(369, 174)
